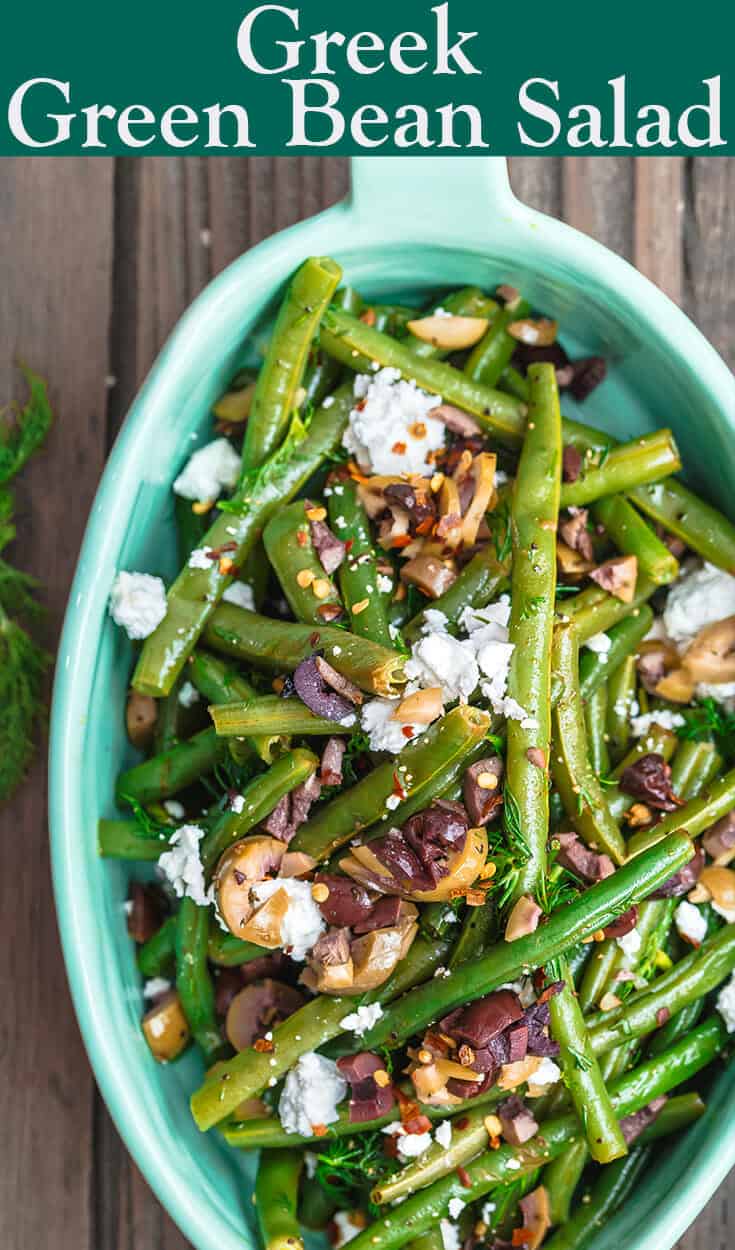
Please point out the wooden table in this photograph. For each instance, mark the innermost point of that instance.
(99, 258)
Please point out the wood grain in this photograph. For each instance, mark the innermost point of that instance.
(104, 258)
(55, 297)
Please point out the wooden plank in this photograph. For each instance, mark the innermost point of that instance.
(709, 241)
(537, 181)
(658, 232)
(54, 313)
(597, 197)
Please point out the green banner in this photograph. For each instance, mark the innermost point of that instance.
(320, 77)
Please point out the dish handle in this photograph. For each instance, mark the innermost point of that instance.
(453, 191)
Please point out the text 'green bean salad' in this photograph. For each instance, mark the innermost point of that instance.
(439, 729)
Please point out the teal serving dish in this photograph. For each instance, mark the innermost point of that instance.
(410, 226)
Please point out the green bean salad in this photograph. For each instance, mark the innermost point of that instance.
(437, 787)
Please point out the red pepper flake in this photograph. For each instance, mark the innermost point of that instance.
(399, 449)
(401, 540)
(349, 544)
(417, 1124)
(302, 538)
(464, 1178)
(368, 318)
(360, 405)
(521, 1236)
(214, 553)
(398, 787)
(262, 1045)
(315, 639)
(462, 1123)
(319, 1130)
(407, 731)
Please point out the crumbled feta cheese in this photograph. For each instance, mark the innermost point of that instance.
(630, 945)
(722, 692)
(441, 312)
(547, 1073)
(449, 916)
(690, 923)
(209, 471)
(182, 866)
(241, 594)
(346, 1228)
(456, 1207)
(657, 630)
(200, 558)
(514, 1164)
(640, 725)
(437, 659)
(487, 1212)
(385, 584)
(392, 431)
(237, 804)
(726, 1004)
(155, 986)
(302, 923)
(450, 1235)
(137, 603)
(328, 401)
(188, 694)
(599, 643)
(443, 1133)
(413, 1145)
(362, 1019)
(311, 1093)
(310, 1162)
(702, 595)
(385, 733)
(175, 809)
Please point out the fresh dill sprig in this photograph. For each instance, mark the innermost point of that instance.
(348, 1168)
(499, 524)
(707, 721)
(148, 825)
(23, 663)
(253, 481)
(509, 850)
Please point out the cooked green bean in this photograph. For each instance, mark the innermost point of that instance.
(582, 1076)
(193, 981)
(595, 719)
(282, 371)
(220, 683)
(228, 951)
(156, 956)
(359, 578)
(322, 372)
(595, 611)
(634, 536)
(481, 580)
(164, 775)
(272, 715)
(200, 585)
(630, 464)
(276, 1198)
(124, 839)
(489, 358)
(561, 1178)
(608, 957)
(608, 1193)
(279, 646)
(696, 815)
(596, 667)
(694, 765)
(534, 514)
(621, 691)
(447, 741)
(684, 514)
(293, 557)
(575, 779)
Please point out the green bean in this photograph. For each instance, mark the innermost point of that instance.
(594, 668)
(561, 1178)
(430, 1240)
(698, 524)
(630, 1093)
(608, 1193)
(633, 536)
(470, 301)
(595, 611)
(196, 592)
(124, 839)
(166, 733)
(316, 1207)
(393, 319)
(568, 925)
(259, 797)
(688, 981)
(322, 373)
(446, 783)
(534, 515)
(287, 541)
(228, 951)
(696, 815)
(677, 1027)
(282, 371)
(507, 1201)
(584, 801)
(582, 1076)
(608, 957)
(513, 381)
(447, 741)
(164, 775)
(357, 345)
(595, 719)
(481, 580)
(477, 931)
(677, 1113)
(220, 683)
(489, 358)
(694, 765)
(276, 1196)
(272, 715)
(193, 981)
(156, 956)
(621, 689)
(309, 1028)
(358, 573)
(266, 1132)
(280, 646)
(630, 464)
(190, 527)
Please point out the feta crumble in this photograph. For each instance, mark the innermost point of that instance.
(175, 809)
(413, 1145)
(547, 1073)
(726, 1004)
(702, 595)
(385, 734)
(188, 694)
(443, 1133)
(450, 1235)
(690, 923)
(641, 725)
(137, 603)
(487, 1212)
(438, 659)
(200, 558)
(599, 643)
(630, 944)
(237, 804)
(182, 866)
(209, 471)
(362, 1019)
(456, 1207)
(156, 986)
(241, 594)
(385, 584)
(302, 923)
(392, 431)
(311, 1093)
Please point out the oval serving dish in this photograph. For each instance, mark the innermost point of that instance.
(410, 227)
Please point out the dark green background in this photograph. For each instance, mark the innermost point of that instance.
(161, 53)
